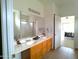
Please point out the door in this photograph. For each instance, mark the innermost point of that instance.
(57, 31)
(67, 31)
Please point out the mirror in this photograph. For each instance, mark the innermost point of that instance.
(27, 26)
(17, 30)
(23, 26)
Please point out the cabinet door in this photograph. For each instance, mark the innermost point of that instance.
(39, 51)
(49, 44)
(33, 50)
(25, 54)
(39, 54)
(44, 47)
(34, 56)
(36, 51)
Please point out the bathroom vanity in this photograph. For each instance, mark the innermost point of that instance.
(35, 50)
(26, 27)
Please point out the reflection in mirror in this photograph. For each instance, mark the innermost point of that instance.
(23, 26)
(26, 26)
(16, 15)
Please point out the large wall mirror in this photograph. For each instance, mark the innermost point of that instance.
(17, 30)
(24, 26)
(27, 26)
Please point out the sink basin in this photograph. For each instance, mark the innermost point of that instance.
(30, 42)
(23, 40)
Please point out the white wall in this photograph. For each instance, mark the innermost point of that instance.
(49, 11)
(67, 10)
(67, 7)
(57, 26)
(76, 34)
(57, 32)
(23, 6)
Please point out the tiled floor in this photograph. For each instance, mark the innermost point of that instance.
(62, 53)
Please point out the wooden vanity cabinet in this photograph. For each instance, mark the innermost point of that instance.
(49, 44)
(38, 51)
(25, 54)
(44, 47)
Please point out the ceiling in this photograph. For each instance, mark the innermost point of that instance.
(65, 7)
(65, 2)
(60, 2)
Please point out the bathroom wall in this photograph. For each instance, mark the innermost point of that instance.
(49, 10)
(24, 5)
(76, 34)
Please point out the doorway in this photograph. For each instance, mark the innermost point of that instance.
(67, 31)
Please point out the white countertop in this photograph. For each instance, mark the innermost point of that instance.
(27, 45)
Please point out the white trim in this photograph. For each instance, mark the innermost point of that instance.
(10, 28)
